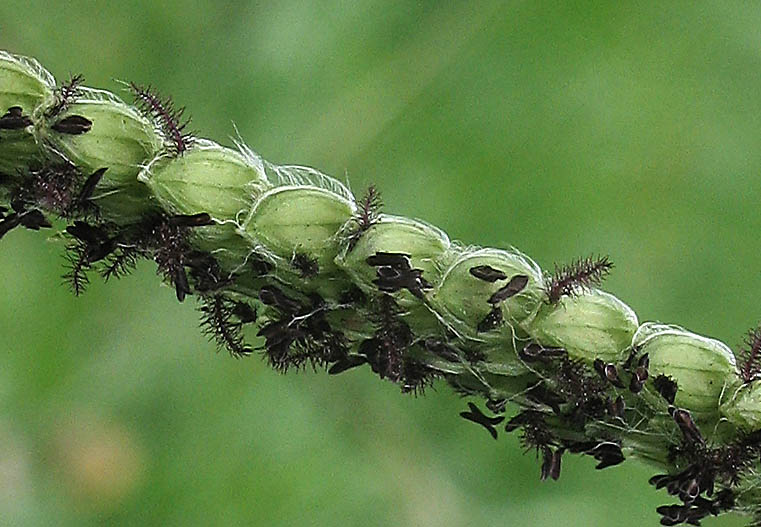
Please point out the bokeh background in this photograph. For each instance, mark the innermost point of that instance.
(621, 128)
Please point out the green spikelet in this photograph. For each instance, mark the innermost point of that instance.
(592, 325)
(98, 130)
(463, 298)
(741, 403)
(209, 178)
(422, 244)
(401, 257)
(291, 220)
(703, 368)
(295, 225)
(25, 86)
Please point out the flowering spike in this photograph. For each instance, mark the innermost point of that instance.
(330, 282)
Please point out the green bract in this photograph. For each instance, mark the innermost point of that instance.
(493, 386)
(304, 220)
(592, 325)
(502, 360)
(702, 367)
(209, 178)
(741, 404)
(462, 299)
(206, 178)
(24, 83)
(424, 244)
(120, 139)
(24, 87)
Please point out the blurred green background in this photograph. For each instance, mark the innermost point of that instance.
(622, 128)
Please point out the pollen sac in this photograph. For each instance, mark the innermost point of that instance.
(487, 273)
(209, 178)
(73, 125)
(593, 325)
(24, 87)
(396, 255)
(97, 130)
(466, 299)
(700, 366)
(14, 119)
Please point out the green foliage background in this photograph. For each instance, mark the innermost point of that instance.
(624, 128)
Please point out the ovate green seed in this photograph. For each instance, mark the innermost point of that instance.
(24, 83)
(120, 139)
(206, 178)
(462, 298)
(212, 179)
(24, 87)
(741, 405)
(702, 367)
(423, 245)
(288, 220)
(592, 325)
